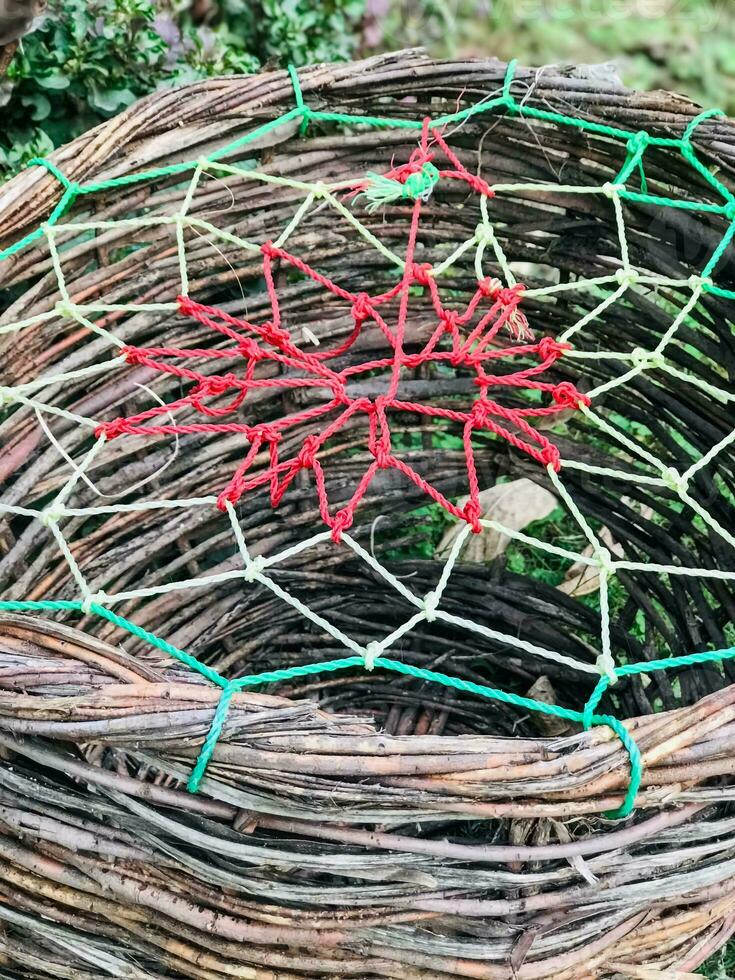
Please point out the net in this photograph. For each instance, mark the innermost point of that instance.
(488, 339)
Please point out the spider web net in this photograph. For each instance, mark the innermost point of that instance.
(484, 337)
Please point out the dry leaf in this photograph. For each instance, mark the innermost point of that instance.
(575, 860)
(582, 579)
(515, 505)
(543, 690)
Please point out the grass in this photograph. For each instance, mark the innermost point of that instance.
(721, 966)
(687, 46)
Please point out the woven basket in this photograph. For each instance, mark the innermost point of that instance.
(353, 823)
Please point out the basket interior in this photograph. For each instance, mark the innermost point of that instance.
(116, 256)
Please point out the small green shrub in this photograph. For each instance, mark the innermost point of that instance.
(91, 58)
(296, 31)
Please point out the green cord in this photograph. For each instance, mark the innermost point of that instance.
(229, 687)
(636, 143)
(53, 169)
(210, 742)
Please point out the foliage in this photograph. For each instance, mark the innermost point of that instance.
(296, 31)
(89, 59)
(686, 46)
(721, 966)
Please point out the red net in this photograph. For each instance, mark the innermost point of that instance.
(467, 340)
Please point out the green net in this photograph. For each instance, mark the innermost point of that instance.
(414, 186)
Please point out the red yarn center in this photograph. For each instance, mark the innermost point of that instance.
(464, 339)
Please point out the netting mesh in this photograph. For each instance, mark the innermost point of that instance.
(487, 340)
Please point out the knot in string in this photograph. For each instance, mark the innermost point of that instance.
(307, 453)
(93, 599)
(342, 522)
(603, 558)
(133, 355)
(372, 651)
(361, 307)
(112, 429)
(566, 395)
(550, 349)
(490, 287)
(411, 181)
(505, 295)
(610, 190)
(421, 184)
(549, 456)
(421, 273)
(274, 335)
(254, 568)
(365, 404)
(639, 141)
(430, 605)
(674, 480)
(647, 358)
(480, 411)
(64, 308)
(187, 306)
(230, 495)
(49, 516)
(217, 385)
(264, 433)
(449, 320)
(248, 348)
(484, 233)
(699, 282)
(382, 455)
(511, 295)
(472, 514)
(626, 277)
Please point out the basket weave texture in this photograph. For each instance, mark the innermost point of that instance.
(361, 824)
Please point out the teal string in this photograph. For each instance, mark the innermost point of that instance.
(724, 243)
(650, 667)
(669, 202)
(636, 147)
(155, 172)
(210, 742)
(300, 670)
(302, 107)
(506, 101)
(698, 120)
(510, 71)
(587, 717)
(718, 291)
(53, 169)
(71, 190)
(185, 658)
(230, 687)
